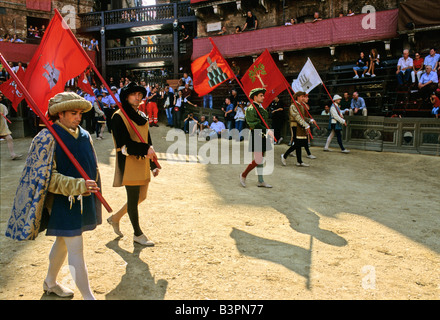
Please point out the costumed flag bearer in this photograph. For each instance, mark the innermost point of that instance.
(52, 194)
(133, 159)
(258, 137)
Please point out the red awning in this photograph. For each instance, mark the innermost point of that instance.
(324, 33)
(43, 5)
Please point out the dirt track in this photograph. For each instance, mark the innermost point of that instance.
(358, 226)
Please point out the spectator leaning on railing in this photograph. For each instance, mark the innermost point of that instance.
(251, 22)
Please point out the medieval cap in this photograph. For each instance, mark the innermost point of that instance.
(256, 91)
(66, 101)
(299, 94)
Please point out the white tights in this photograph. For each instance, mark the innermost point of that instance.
(73, 246)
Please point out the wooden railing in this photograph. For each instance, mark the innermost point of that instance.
(147, 14)
(144, 52)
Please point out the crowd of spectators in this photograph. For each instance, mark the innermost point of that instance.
(251, 22)
(421, 74)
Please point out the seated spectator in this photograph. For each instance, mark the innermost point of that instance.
(316, 17)
(222, 31)
(418, 64)
(435, 101)
(7, 38)
(290, 22)
(374, 62)
(345, 104)
(217, 126)
(236, 69)
(326, 111)
(341, 14)
(350, 13)
(42, 31)
(15, 39)
(432, 59)
(203, 124)
(358, 106)
(361, 66)
(180, 84)
(31, 32)
(190, 124)
(187, 92)
(428, 83)
(251, 22)
(238, 29)
(18, 66)
(404, 67)
(187, 80)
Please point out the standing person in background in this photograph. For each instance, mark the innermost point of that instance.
(100, 117)
(168, 104)
(240, 118)
(152, 109)
(251, 22)
(133, 162)
(335, 124)
(5, 132)
(276, 111)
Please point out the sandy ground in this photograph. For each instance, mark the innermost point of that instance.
(364, 225)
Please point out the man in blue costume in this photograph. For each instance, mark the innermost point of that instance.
(52, 194)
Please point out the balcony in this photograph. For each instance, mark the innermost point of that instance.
(140, 54)
(137, 17)
(325, 33)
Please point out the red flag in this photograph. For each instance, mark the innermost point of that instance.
(11, 90)
(84, 84)
(210, 71)
(57, 60)
(264, 73)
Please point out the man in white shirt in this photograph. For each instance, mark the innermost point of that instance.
(432, 59)
(404, 68)
(217, 126)
(428, 83)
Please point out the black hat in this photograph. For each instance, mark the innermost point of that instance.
(131, 88)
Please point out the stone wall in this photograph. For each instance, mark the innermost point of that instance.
(14, 17)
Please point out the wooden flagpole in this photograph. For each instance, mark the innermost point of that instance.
(51, 129)
(105, 84)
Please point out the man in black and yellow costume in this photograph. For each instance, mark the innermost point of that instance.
(133, 158)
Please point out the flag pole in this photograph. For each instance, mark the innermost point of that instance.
(331, 98)
(5, 117)
(290, 89)
(242, 88)
(104, 83)
(52, 130)
(294, 102)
